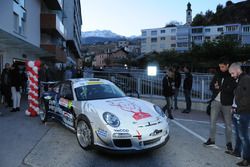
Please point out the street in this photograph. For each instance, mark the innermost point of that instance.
(26, 142)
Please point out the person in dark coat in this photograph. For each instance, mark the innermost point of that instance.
(168, 92)
(222, 87)
(177, 84)
(242, 101)
(187, 86)
(6, 88)
(15, 78)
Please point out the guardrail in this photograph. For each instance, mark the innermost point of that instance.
(152, 86)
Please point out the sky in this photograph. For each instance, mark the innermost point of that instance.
(129, 17)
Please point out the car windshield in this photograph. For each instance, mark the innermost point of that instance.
(98, 91)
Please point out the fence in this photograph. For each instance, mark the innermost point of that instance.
(152, 86)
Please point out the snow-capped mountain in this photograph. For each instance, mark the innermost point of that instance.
(100, 33)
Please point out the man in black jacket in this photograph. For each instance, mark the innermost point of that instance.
(222, 87)
(168, 92)
(5, 81)
(242, 101)
(187, 86)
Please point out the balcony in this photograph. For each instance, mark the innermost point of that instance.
(51, 23)
(60, 55)
(54, 4)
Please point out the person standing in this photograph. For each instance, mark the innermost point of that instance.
(6, 88)
(15, 78)
(177, 84)
(222, 87)
(187, 86)
(168, 92)
(68, 73)
(242, 100)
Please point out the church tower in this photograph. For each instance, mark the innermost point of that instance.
(189, 14)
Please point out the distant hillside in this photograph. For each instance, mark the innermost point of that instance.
(95, 40)
(101, 36)
(230, 13)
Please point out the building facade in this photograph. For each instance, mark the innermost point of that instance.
(20, 31)
(182, 37)
(73, 22)
(34, 29)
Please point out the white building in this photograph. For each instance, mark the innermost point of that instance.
(158, 39)
(20, 31)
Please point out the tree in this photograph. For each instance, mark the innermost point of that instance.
(219, 8)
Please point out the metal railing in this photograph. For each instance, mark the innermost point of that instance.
(152, 86)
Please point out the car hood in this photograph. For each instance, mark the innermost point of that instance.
(127, 109)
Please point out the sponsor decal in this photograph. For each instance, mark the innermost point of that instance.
(155, 132)
(121, 130)
(63, 102)
(94, 82)
(68, 118)
(102, 133)
(129, 106)
(138, 135)
(47, 97)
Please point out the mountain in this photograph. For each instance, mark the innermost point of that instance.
(228, 14)
(101, 33)
(101, 36)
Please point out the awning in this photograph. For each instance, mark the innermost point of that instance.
(8, 41)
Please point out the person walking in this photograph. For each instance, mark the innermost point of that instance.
(222, 87)
(6, 88)
(177, 84)
(15, 78)
(168, 92)
(242, 99)
(187, 86)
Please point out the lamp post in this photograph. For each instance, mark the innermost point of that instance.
(152, 72)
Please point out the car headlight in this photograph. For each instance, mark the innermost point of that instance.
(159, 111)
(111, 119)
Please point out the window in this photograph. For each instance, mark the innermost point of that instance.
(153, 47)
(153, 39)
(173, 45)
(207, 30)
(182, 44)
(163, 31)
(144, 33)
(197, 38)
(246, 29)
(143, 40)
(173, 37)
(154, 32)
(196, 30)
(163, 38)
(220, 29)
(173, 30)
(207, 38)
(162, 46)
(66, 91)
(16, 23)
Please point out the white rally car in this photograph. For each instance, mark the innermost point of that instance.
(103, 116)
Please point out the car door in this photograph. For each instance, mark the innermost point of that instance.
(53, 100)
(65, 104)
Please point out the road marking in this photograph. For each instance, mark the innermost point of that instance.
(193, 133)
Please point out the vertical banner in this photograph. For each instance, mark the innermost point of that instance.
(33, 97)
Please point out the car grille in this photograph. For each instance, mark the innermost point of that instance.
(148, 142)
(122, 142)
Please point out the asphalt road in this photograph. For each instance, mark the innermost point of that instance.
(26, 142)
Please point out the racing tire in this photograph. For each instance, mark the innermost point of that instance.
(43, 113)
(84, 133)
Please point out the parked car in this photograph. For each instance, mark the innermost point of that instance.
(104, 117)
